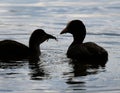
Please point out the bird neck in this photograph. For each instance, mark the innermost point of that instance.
(34, 47)
(35, 50)
(78, 39)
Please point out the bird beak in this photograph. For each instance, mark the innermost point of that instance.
(51, 37)
(64, 31)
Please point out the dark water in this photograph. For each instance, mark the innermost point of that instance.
(54, 73)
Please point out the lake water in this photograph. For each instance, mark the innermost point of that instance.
(54, 73)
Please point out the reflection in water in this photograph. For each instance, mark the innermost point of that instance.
(37, 71)
(84, 69)
(80, 72)
(36, 68)
(76, 85)
(11, 69)
(11, 64)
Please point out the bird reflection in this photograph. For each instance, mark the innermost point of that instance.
(36, 69)
(80, 71)
(12, 64)
(84, 69)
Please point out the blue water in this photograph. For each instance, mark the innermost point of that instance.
(54, 73)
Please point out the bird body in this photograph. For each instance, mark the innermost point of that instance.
(87, 52)
(10, 49)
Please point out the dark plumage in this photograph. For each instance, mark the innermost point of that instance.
(88, 52)
(13, 50)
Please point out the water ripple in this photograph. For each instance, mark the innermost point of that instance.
(107, 34)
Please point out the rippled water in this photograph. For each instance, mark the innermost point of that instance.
(54, 73)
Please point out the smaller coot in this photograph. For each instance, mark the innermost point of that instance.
(13, 50)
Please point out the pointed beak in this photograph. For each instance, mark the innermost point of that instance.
(51, 37)
(64, 31)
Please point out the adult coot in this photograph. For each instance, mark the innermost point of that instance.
(13, 50)
(88, 52)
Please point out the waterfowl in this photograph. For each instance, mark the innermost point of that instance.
(88, 52)
(13, 50)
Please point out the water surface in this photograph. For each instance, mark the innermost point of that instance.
(54, 73)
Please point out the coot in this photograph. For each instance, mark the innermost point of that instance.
(88, 52)
(13, 50)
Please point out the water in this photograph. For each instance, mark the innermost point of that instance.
(54, 73)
